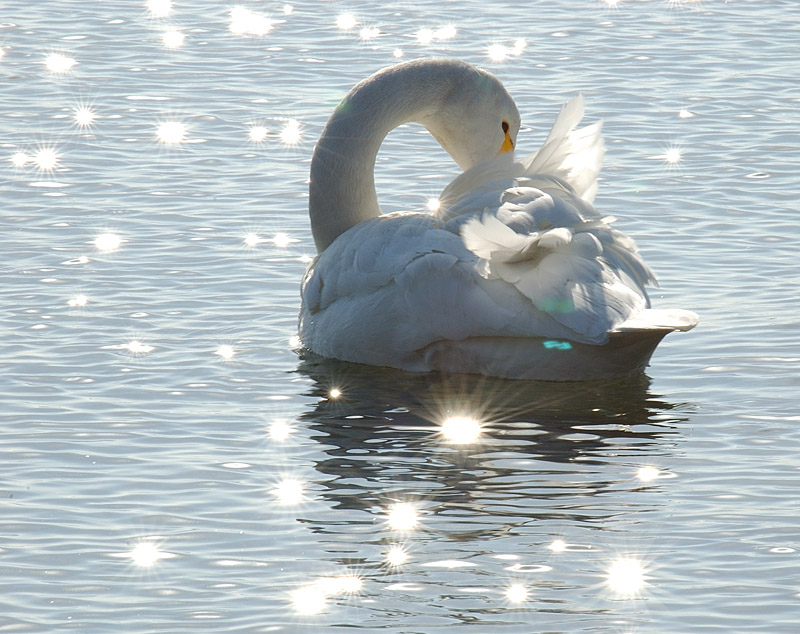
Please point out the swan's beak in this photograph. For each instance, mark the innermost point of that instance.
(508, 145)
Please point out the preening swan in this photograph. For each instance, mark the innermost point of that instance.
(515, 275)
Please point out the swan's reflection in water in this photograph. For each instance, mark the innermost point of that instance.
(543, 448)
(533, 502)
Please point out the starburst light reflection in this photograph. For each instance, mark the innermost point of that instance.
(402, 517)
(346, 22)
(396, 556)
(334, 393)
(626, 577)
(84, 116)
(252, 239)
(557, 546)
(647, 474)
(433, 204)
(289, 491)
(257, 133)
(516, 593)
(672, 156)
(461, 430)
(309, 600)
(107, 242)
(146, 553)
(279, 430)
(226, 352)
(246, 22)
(159, 8)
(58, 63)
(137, 347)
(369, 33)
(290, 134)
(173, 39)
(282, 240)
(20, 159)
(46, 159)
(171, 132)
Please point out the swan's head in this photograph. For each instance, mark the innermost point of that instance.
(477, 119)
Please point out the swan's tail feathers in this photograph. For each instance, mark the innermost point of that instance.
(572, 155)
(665, 319)
(560, 271)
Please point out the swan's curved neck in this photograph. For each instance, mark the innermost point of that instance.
(342, 184)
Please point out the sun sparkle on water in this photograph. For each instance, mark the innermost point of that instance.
(402, 517)
(396, 555)
(107, 242)
(647, 474)
(516, 593)
(173, 39)
(84, 116)
(246, 22)
(626, 577)
(78, 301)
(171, 132)
(461, 430)
(20, 159)
(46, 159)
(291, 134)
(58, 63)
(257, 133)
(159, 8)
(289, 491)
(226, 352)
(346, 21)
(146, 553)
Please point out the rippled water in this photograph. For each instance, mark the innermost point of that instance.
(171, 463)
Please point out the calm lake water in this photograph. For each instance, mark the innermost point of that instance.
(170, 461)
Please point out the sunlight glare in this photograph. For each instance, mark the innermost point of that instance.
(279, 430)
(46, 159)
(84, 116)
(171, 132)
(516, 593)
(461, 430)
(252, 239)
(309, 600)
(78, 301)
(291, 135)
(647, 474)
(159, 8)
(369, 33)
(282, 240)
(246, 22)
(226, 352)
(146, 553)
(173, 39)
(626, 577)
(557, 546)
(396, 555)
(433, 204)
(334, 393)
(107, 242)
(672, 156)
(402, 517)
(346, 22)
(58, 63)
(136, 347)
(257, 133)
(289, 491)
(20, 159)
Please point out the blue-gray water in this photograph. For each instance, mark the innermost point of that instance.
(169, 462)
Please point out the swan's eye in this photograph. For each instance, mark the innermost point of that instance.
(505, 127)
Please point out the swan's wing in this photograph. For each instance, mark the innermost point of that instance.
(390, 286)
(571, 155)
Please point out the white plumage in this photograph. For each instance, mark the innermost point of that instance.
(516, 275)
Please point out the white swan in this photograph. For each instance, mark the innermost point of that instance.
(516, 275)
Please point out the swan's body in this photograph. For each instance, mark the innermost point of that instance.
(516, 275)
